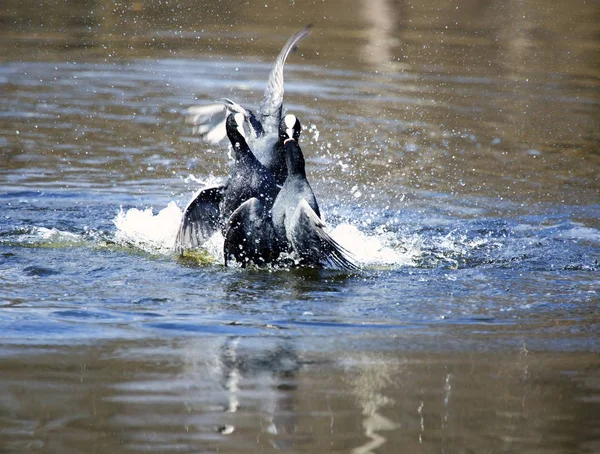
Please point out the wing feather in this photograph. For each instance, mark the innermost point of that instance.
(273, 97)
(208, 121)
(310, 240)
(250, 237)
(200, 219)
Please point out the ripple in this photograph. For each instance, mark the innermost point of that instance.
(39, 271)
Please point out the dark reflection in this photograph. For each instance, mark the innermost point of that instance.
(275, 285)
(232, 393)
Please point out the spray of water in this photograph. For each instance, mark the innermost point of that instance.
(155, 233)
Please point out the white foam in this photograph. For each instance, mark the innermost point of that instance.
(580, 232)
(155, 233)
(56, 235)
(379, 249)
(150, 232)
(53, 235)
(214, 246)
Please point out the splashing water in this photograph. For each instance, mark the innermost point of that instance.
(50, 237)
(155, 233)
(375, 245)
(150, 232)
(377, 250)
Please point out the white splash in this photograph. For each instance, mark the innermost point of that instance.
(580, 232)
(379, 249)
(150, 232)
(39, 235)
(155, 233)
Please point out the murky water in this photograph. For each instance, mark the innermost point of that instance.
(454, 149)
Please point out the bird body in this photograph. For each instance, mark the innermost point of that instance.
(262, 127)
(293, 225)
(267, 208)
(211, 207)
(248, 178)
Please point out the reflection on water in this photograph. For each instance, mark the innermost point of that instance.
(454, 145)
(367, 375)
(239, 393)
(379, 15)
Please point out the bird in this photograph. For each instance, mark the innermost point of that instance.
(293, 226)
(202, 217)
(211, 207)
(249, 178)
(250, 238)
(296, 215)
(262, 127)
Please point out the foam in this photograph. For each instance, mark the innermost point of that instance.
(378, 249)
(154, 233)
(42, 236)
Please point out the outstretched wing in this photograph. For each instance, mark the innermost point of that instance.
(313, 243)
(200, 219)
(270, 109)
(208, 121)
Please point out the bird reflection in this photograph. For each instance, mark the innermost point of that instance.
(369, 375)
(252, 373)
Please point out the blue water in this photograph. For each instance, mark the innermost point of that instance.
(66, 277)
(461, 171)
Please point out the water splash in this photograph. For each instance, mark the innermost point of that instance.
(44, 237)
(375, 245)
(154, 233)
(380, 249)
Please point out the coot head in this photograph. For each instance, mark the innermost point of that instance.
(235, 129)
(290, 128)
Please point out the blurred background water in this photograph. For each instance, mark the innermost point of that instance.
(453, 146)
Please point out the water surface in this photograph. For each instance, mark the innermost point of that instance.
(454, 150)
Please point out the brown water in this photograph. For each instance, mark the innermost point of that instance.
(455, 145)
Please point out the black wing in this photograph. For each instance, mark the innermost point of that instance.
(313, 243)
(250, 236)
(200, 219)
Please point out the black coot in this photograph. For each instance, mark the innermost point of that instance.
(211, 208)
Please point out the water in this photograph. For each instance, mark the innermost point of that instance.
(454, 150)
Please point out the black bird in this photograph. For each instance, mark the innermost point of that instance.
(293, 226)
(250, 238)
(248, 178)
(261, 128)
(201, 216)
(296, 216)
(211, 208)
